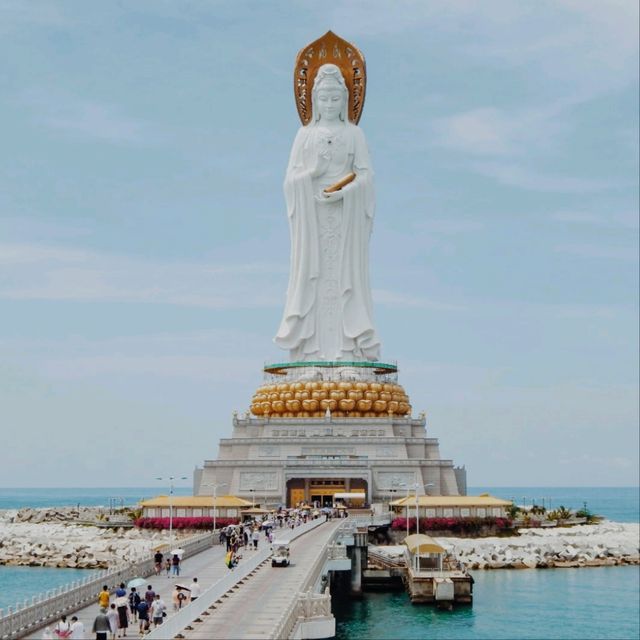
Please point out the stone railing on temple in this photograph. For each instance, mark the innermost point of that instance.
(246, 420)
(47, 607)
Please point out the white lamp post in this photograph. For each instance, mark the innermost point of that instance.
(171, 479)
(215, 488)
(430, 484)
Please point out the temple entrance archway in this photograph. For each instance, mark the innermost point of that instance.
(320, 491)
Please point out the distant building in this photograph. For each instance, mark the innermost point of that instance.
(194, 507)
(328, 440)
(481, 506)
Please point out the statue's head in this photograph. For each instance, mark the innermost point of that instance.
(329, 95)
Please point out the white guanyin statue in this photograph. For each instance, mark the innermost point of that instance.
(328, 314)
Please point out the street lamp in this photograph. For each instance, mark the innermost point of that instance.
(215, 488)
(171, 479)
(424, 486)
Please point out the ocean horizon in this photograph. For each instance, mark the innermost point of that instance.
(619, 504)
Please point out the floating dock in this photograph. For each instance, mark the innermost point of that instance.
(428, 574)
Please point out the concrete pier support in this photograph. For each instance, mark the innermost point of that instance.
(359, 561)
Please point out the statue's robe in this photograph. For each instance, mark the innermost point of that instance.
(299, 330)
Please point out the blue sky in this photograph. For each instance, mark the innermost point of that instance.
(144, 245)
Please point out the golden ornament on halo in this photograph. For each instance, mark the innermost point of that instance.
(329, 49)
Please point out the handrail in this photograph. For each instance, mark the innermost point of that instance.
(45, 608)
(386, 560)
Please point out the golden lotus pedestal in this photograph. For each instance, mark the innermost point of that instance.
(342, 389)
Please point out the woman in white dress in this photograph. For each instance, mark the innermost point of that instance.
(328, 314)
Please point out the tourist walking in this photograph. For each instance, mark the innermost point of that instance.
(101, 625)
(134, 601)
(158, 610)
(77, 629)
(149, 596)
(62, 628)
(157, 560)
(175, 564)
(103, 597)
(143, 616)
(121, 590)
(175, 599)
(112, 616)
(123, 615)
(228, 534)
(167, 567)
(195, 589)
(255, 536)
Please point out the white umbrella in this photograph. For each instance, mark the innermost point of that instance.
(177, 552)
(136, 582)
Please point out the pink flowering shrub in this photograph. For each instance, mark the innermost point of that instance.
(455, 525)
(184, 523)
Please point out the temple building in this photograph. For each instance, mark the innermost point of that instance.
(348, 431)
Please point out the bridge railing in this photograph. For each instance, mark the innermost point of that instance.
(49, 606)
(307, 601)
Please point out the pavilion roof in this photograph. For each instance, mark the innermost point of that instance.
(419, 543)
(484, 500)
(196, 502)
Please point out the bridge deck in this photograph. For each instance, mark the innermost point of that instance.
(255, 607)
(208, 566)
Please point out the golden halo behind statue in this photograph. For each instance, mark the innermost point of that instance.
(330, 49)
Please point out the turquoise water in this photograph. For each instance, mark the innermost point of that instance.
(562, 603)
(619, 504)
(20, 583)
(11, 498)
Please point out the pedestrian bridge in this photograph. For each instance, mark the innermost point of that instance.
(254, 600)
(257, 600)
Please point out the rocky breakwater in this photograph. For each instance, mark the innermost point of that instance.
(47, 544)
(608, 543)
(64, 514)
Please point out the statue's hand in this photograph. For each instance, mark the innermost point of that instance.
(322, 164)
(335, 196)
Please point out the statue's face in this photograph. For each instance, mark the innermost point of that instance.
(329, 102)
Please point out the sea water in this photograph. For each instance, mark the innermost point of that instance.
(92, 497)
(595, 602)
(18, 584)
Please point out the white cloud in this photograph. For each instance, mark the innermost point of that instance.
(496, 132)
(406, 300)
(519, 176)
(626, 254)
(615, 220)
(88, 118)
(39, 272)
(448, 226)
